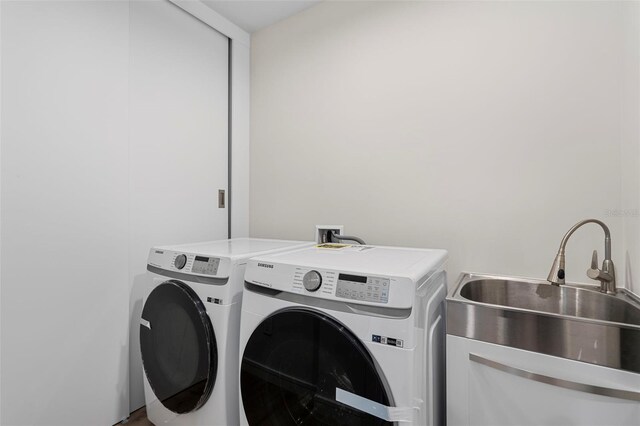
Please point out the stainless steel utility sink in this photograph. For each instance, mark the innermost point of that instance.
(572, 321)
(561, 300)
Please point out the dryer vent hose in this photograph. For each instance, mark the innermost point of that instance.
(339, 237)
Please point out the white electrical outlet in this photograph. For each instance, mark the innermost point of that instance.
(323, 230)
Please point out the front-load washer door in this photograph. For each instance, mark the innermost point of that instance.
(178, 345)
(292, 365)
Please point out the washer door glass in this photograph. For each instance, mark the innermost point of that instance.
(178, 345)
(292, 365)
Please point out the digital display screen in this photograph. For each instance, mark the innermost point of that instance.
(202, 259)
(352, 278)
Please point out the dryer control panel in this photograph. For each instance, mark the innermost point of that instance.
(386, 277)
(194, 264)
(205, 265)
(189, 263)
(345, 286)
(359, 287)
(336, 285)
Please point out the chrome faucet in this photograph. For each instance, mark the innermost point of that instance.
(606, 275)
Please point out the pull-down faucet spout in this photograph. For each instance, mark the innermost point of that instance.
(606, 275)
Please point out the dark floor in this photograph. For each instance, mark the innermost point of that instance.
(138, 418)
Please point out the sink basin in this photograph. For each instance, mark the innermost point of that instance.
(543, 297)
(571, 321)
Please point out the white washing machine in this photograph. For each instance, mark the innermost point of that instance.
(344, 335)
(189, 329)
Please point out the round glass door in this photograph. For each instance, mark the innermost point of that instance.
(292, 365)
(178, 345)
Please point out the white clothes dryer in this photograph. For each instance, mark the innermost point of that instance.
(337, 334)
(189, 329)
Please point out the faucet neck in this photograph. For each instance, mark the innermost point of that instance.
(607, 236)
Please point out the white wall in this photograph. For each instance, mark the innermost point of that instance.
(65, 261)
(631, 148)
(486, 128)
(96, 168)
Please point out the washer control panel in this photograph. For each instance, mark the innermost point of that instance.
(205, 265)
(358, 287)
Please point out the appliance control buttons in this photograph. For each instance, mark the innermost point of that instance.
(180, 261)
(312, 280)
(371, 289)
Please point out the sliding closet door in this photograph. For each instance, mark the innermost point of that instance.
(64, 212)
(179, 139)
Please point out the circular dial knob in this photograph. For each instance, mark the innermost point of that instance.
(180, 261)
(312, 280)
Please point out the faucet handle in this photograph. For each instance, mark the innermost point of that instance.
(598, 274)
(594, 273)
(594, 260)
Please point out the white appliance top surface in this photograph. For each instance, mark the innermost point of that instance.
(236, 247)
(399, 261)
